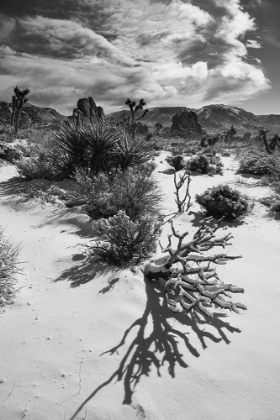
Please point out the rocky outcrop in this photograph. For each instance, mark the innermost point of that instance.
(185, 121)
(87, 108)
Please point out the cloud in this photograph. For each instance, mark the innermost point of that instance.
(252, 43)
(176, 52)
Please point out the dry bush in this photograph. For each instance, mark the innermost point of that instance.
(177, 162)
(259, 163)
(223, 201)
(133, 191)
(8, 270)
(121, 240)
(205, 164)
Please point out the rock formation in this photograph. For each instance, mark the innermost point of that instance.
(86, 107)
(185, 121)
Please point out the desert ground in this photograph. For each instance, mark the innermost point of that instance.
(92, 338)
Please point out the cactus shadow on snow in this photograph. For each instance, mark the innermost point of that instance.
(145, 350)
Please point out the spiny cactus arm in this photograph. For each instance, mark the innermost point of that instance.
(188, 296)
(184, 203)
(219, 259)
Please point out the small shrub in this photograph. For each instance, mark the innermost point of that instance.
(275, 207)
(122, 240)
(8, 270)
(10, 152)
(177, 162)
(40, 168)
(134, 191)
(259, 164)
(130, 152)
(205, 164)
(223, 201)
(225, 153)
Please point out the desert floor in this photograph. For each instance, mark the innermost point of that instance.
(82, 331)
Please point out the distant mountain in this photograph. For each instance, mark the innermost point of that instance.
(161, 114)
(36, 114)
(219, 118)
(213, 118)
(272, 121)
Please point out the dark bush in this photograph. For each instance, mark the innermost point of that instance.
(223, 201)
(205, 164)
(177, 162)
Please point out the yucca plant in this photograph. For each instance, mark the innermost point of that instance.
(86, 145)
(103, 141)
(132, 151)
(71, 145)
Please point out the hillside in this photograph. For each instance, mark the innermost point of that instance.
(36, 114)
(213, 118)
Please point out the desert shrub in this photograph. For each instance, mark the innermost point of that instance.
(275, 206)
(41, 167)
(134, 191)
(10, 152)
(223, 200)
(122, 240)
(8, 270)
(225, 153)
(205, 164)
(98, 147)
(259, 164)
(130, 152)
(177, 162)
(86, 145)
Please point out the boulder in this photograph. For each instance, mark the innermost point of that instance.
(185, 121)
(88, 108)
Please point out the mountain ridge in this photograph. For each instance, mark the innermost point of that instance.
(214, 118)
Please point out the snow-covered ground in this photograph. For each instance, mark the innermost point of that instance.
(79, 331)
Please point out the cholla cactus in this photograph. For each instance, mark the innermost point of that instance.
(134, 109)
(192, 283)
(18, 100)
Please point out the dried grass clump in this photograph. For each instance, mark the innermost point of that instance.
(8, 270)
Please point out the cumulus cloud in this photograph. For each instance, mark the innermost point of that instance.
(176, 53)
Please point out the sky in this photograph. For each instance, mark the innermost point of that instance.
(170, 52)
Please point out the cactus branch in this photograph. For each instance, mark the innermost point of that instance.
(192, 282)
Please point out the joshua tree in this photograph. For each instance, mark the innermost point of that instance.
(134, 109)
(158, 127)
(269, 146)
(18, 100)
(230, 134)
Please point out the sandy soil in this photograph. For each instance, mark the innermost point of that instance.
(79, 331)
